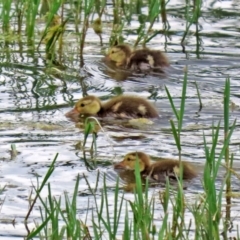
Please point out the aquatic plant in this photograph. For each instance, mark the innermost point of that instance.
(31, 15)
(179, 203)
(5, 15)
(192, 17)
(178, 114)
(37, 192)
(87, 10)
(51, 213)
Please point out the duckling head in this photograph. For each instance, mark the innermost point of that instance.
(130, 160)
(119, 54)
(89, 105)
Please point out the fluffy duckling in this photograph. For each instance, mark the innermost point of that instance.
(122, 106)
(141, 59)
(156, 171)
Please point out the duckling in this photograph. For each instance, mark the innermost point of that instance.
(141, 59)
(123, 106)
(156, 171)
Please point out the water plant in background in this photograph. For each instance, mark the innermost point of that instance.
(97, 27)
(192, 18)
(28, 11)
(20, 10)
(54, 30)
(13, 151)
(31, 15)
(97, 23)
(155, 9)
(153, 14)
(53, 33)
(87, 10)
(99, 7)
(5, 15)
(45, 7)
(117, 24)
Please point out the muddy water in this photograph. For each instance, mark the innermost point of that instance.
(33, 102)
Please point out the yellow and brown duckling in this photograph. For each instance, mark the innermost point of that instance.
(141, 59)
(123, 106)
(156, 171)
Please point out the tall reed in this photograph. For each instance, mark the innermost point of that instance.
(207, 211)
(228, 159)
(31, 15)
(5, 15)
(179, 204)
(54, 30)
(87, 10)
(20, 10)
(192, 18)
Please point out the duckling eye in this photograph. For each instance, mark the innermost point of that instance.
(128, 159)
(82, 105)
(113, 51)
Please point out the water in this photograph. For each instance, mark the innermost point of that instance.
(33, 101)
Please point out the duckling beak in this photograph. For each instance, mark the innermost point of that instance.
(119, 166)
(72, 114)
(106, 59)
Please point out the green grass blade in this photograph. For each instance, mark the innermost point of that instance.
(172, 104)
(175, 134)
(37, 231)
(182, 106)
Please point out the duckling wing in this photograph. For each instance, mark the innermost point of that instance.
(140, 60)
(130, 107)
(171, 169)
(145, 59)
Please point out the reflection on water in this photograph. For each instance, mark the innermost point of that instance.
(35, 96)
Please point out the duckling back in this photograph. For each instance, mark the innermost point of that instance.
(171, 169)
(145, 59)
(129, 107)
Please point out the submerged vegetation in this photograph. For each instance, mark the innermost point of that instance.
(43, 26)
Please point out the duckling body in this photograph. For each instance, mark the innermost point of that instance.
(141, 59)
(146, 59)
(123, 106)
(157, 171)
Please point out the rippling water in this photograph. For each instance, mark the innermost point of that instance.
(33, 101)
